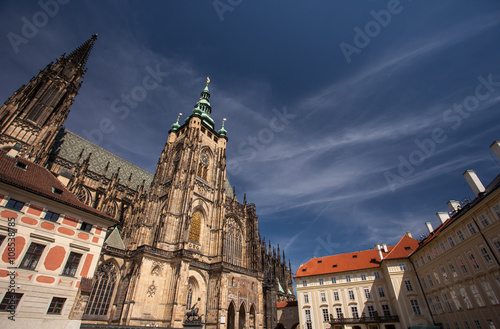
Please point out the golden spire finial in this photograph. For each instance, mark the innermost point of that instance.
(208, 80)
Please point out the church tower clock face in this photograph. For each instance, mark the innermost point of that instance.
(204, 159)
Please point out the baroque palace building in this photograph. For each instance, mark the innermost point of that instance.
(450, 279)
(184, 251)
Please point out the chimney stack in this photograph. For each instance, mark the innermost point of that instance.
(453, 205)
(443, 216)
(429, 227)
(64, 177)
(495, 147)
(384, 246)
(408, 234)
(379, 247)
(474, 182)
(14, 151)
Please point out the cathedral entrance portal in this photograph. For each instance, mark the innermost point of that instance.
(231, 314)
(242, 319)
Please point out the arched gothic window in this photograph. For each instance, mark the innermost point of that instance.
(102, 289)
(195, 231)
(189, 297)
(192, 294)
(251, 318)
(45, 101)
(177, 159)
(233, 244)
(203, 166)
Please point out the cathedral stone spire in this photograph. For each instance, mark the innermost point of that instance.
(33, 115)
(80, 55)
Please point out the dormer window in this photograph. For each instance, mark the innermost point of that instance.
(354, 256)
(57, 191)
(21, 165)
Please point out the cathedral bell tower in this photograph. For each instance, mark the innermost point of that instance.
(188, 188)
(35, 112)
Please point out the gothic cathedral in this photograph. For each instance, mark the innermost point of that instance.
(184, 252)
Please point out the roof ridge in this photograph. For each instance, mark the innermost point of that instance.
(395, 246)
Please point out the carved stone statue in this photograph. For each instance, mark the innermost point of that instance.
(192, 315)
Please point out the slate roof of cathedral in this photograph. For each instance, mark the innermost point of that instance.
(356, 260)
(69, 145)
(39, 180)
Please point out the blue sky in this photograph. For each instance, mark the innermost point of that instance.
(349, 123)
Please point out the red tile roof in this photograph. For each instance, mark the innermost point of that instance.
(287, 304)
(41, 181)
(403, 249)
(356, 260)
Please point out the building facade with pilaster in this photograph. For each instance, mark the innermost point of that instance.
(50, 244)
(370, 289)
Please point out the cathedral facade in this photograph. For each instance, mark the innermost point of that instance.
(185, 251)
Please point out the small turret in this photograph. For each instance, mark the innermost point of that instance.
(203, 109)
(176, 124)
(222, 130)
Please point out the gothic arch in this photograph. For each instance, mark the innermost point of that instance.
(231, 316)
(104, 285)
(111, 208)
(196, 225)
(205, 163)
(164, 231)
(243, 306)
(252, 317)
(199, 204)
(242, 317)
(176, 158)
(233, 242)
(192, 293)
(84, 195)
(237, 219)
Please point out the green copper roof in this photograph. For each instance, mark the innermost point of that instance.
(203, 108)
(222, 131)
(176, 124)
(115, 240)
(280, 288)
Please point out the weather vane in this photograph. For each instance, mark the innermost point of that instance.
(208, 80)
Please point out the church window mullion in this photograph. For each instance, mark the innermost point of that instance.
(233, 243)
(100, 296)
(102, 290)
